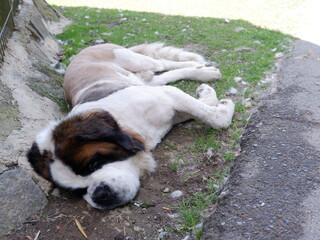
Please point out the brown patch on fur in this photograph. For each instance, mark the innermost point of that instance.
(88, 141)
(103, 148)
(135, 136)
(40, 162)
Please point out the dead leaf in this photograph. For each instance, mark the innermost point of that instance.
(166, 208)
(37, 235)
(80, 228)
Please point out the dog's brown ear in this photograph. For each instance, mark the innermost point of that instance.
(115, 136)
(40, 162)
(99, 126)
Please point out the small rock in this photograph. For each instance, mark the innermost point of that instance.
(162, 235)
(248, 105)
(60, 71)
(173, 216)
(186, 237)
(106, 34)
(99, 41)
(55, 192)
(244, 83)
(86, 17)
(211, 64)
(239, 29)
(232, 91)
(166, 190)
(279, 55)
(244, 49)
(137, 229)
(123, 19)
(199, 226)
(209, 153)
(177, 226)
(216, 186)
(176, 194)
(128, 224)
(244, 90)
(262, 204)
(237, 79)
(62, 42)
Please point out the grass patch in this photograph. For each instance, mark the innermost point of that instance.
(49, 86)
(191, 208)
(239, 48)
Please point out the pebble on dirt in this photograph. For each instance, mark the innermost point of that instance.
(232, 91)
(176, 194)
(237, 79)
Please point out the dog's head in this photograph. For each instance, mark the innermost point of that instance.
(90, 154)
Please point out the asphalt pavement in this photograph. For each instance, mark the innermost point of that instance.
(274, 188)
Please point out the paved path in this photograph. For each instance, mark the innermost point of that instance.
(274, 190)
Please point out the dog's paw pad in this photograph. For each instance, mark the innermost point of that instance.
(207, 95)
(225, 101)
(205, 90)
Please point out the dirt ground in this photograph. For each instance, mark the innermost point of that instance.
(153, 213)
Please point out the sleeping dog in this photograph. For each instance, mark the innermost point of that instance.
(121, 109)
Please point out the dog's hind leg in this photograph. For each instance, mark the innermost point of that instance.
(135, 62)
(202, 74)
(205, 94)
(217, 116)
(159, 51)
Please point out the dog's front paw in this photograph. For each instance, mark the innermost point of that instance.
(228, 103)
(207, 95)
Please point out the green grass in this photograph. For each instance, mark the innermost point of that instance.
(191, 208)
(216, 40)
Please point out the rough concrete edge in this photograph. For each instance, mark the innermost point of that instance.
(272, 82)
(35, 111)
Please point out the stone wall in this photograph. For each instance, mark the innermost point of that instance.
(31, 51)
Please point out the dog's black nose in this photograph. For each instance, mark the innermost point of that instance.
(105, 197)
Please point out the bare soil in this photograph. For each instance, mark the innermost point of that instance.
(152, 212)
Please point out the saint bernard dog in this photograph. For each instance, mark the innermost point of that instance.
(120, 112)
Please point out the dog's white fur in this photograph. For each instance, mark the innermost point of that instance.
(146, 107)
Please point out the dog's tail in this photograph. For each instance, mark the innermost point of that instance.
(159, 51)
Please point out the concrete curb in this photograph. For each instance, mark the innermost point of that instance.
(275, 182)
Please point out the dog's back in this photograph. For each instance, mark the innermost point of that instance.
(91, 75)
